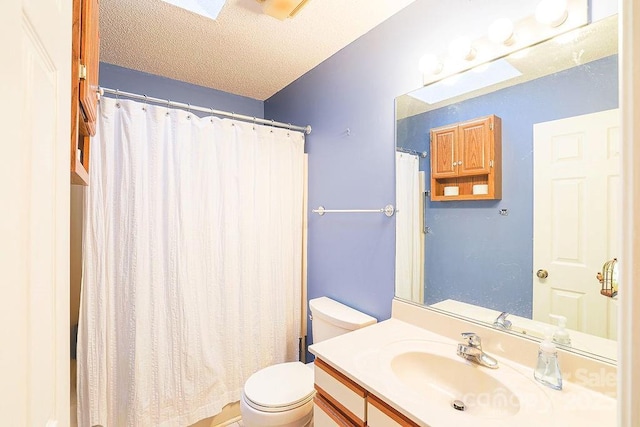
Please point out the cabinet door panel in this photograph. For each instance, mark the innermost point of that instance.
(379, 414)
(326, 415)
(346, 395)
(475, 147)
(89, 57)
(443, 152)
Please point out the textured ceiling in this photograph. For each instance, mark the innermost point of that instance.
(244, 51)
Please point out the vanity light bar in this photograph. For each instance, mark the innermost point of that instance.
(504, 40)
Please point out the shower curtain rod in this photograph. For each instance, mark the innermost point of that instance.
(422, 154)
(189, 107)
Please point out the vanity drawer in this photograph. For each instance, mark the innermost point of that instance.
(341, 392)
(379, 414)
(326, 415)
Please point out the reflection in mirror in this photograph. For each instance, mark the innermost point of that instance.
(535, 253)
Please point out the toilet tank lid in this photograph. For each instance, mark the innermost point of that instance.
(339, 314)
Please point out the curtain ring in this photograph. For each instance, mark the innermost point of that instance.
(212, 113)
(272, 124)
(117, 98)
(144, 107)
(188, 111)
(254, 123)
(168, 106)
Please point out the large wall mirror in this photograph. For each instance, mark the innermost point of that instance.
(534, 253)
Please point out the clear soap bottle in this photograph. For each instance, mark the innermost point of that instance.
(547, 369)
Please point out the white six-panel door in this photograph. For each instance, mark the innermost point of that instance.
(34, 219)
(576, 206)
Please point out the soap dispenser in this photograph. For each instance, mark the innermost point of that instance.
(547, 369)
(561, 336)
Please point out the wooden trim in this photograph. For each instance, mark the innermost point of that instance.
(78, 170)
(341, 377)
(328, 409)
(89, 57)
(340, 407)
(496, 156)
(80, 174)
(390, 412)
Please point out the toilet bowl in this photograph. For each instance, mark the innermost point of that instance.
(281, 395)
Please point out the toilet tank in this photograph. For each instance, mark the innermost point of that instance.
(330, 318)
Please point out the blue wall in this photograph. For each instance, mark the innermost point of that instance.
(351, 257)
(474, 254)
(115, 77)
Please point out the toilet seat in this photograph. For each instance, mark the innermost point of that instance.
(293, 383)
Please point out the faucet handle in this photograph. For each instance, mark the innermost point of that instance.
(503, 315)
(472, 339)
(502, 322)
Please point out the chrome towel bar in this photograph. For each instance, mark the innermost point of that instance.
(388, 210)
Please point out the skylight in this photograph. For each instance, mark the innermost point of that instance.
(490, 74)
(207, 8)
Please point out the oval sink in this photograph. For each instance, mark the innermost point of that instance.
(430, 373)
(446, 379)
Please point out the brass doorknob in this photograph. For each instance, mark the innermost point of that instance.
(542, 274)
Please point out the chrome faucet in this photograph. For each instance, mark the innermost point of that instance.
(471, 350)
(501, 321)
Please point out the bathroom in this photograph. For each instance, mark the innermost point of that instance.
(348, 100)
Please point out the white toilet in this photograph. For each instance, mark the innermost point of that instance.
(282, 395)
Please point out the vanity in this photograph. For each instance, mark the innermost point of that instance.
(405, 372)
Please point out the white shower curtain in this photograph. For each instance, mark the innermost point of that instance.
(409, 234)
(192, 263)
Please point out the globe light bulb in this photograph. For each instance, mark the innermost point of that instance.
(460, 48)
(430, 64)
(552, 12)
(501, 31)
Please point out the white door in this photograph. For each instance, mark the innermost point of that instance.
(34, 218)
(576, 200)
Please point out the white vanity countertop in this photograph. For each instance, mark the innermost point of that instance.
(362, 355)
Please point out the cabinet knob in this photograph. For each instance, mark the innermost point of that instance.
(459, 162)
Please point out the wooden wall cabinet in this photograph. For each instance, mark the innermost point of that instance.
(465, 154)
(85, 62)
